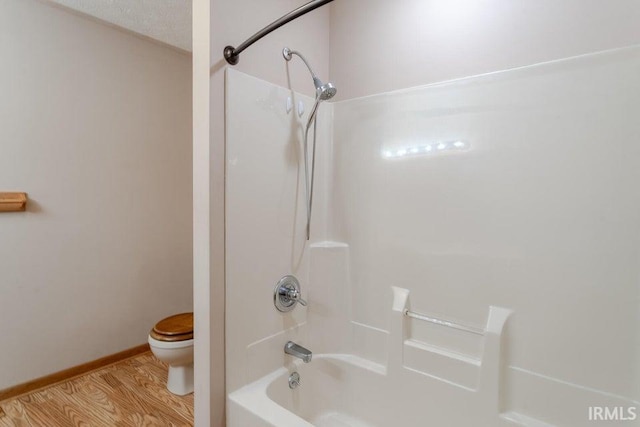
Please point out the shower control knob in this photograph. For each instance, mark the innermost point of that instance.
(295, 296)
(287, 294)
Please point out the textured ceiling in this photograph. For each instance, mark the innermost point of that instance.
(168, 21)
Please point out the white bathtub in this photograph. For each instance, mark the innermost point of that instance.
(340, 390)
(335, 390)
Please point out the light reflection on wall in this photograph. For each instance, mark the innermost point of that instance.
(426, 149)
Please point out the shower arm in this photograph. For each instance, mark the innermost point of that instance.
(288, 56)
(232, 54)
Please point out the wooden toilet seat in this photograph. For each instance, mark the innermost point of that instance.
(174, 328)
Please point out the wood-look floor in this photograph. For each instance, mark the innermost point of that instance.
(129, 393)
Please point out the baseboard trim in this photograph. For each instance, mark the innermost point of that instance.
(67, 374)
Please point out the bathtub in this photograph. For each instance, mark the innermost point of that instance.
(335, 390)
(342, 390)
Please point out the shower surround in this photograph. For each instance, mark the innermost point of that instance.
(505, 202)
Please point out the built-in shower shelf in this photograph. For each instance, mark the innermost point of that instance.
(457, 353)
(442, 352)
(440, 363)
(13, 202)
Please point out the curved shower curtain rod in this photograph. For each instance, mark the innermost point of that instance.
(232, 54)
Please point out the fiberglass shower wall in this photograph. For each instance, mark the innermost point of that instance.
(517, 189)
(514, 190)
(266, 221)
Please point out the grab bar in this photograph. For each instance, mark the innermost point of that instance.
(442, 322)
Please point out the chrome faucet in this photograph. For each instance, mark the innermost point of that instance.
(298, 351)
(287, 294)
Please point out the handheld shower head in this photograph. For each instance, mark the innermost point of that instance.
(324, 91)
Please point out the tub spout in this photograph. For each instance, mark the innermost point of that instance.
(298, 351)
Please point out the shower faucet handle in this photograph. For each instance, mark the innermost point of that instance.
(295, 295)
(287, 294)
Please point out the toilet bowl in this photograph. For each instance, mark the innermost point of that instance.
(171, 341)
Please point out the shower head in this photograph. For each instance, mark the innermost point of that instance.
(324, 91)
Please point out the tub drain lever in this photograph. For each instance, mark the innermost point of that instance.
(294, 380)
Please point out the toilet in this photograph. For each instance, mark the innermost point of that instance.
(171, 341)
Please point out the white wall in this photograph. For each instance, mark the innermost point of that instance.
(539, 215)
(95, 124)
(375, 46)
(380, 45)
(208, 360)
(230, 22)
(266, 222)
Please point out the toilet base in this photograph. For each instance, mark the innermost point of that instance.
(180, 381)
